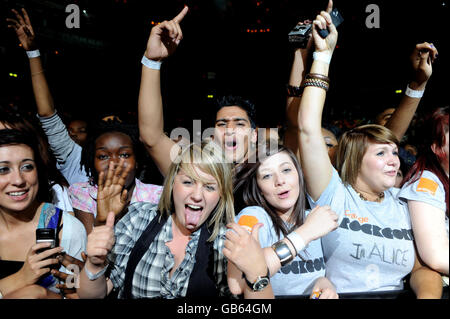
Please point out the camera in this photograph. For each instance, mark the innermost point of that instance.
(300, 35)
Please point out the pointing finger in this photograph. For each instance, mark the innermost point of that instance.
(181, 15)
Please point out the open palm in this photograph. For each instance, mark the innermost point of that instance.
(23, 28)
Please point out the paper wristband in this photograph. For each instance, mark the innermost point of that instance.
(92, 276)
(297, 241)
(33, 54)
(413, 93)
(320, 56)
(155, 65)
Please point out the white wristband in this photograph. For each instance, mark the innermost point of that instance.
(33, 54)
(297, 241)
(413, 93)
(320, 56)
(92, 276)
(155, 65)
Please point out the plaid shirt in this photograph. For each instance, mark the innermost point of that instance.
(151, 278)
(84, 196)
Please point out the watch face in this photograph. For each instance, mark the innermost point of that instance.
(261, 284)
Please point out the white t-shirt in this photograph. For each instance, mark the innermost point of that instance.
(372, 249)
(297, 277)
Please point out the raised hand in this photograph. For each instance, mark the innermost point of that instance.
(422, 58)
(165, 38)
(23, 28)
(100, 242)
(323, 21)
(38, 264)
(112, 195)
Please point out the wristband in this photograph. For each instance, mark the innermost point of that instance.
(297, 241)
(320, 56)
(92, 276)
(154, 65)
(33, 54)
(413, 93)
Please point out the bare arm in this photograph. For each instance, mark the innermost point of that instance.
(428, 224)
(163, 41)
(314, 157)
(422, 58)
(25, 34)
(426, 283)
(298, 72)
(100, 243)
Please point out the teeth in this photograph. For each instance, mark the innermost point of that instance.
(194, 207)
(16, 193)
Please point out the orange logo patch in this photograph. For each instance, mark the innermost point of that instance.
(248, 222)
(427, 185)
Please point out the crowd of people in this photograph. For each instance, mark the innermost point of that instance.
(319, 212)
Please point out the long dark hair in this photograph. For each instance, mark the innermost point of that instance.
(16, 137)
(20, 121)
(247, 192)
(435, 128)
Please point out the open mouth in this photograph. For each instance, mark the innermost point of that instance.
(192, 214)
(231, 144)
(18, 195)
(283, 195)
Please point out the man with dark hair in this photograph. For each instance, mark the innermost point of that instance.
(234, 128)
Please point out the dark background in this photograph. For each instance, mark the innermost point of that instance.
(96, 68)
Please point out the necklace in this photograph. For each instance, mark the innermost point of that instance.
(378, 200)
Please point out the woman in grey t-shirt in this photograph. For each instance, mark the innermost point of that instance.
(372, 249)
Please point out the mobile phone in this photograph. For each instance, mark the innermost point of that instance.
(336, 18)
(46, 235)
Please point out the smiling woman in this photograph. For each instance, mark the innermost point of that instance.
(24, 207)
(273, 194)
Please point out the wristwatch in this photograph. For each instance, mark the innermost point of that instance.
(260, 283)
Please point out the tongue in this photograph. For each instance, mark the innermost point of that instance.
(192, 217)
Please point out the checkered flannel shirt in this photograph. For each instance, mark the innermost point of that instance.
(151, 278)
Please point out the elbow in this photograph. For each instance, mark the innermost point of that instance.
(437, 262)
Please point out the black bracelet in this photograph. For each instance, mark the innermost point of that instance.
(294, 91)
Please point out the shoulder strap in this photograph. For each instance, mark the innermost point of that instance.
(139, 250)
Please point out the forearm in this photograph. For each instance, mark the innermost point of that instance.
(92, 289)
(404, 113)
(426, 283)
(312, 103)
(42, 95)
(11, 283)
(296, 77)
(293, 102)
(58, 138)
(150, 108)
